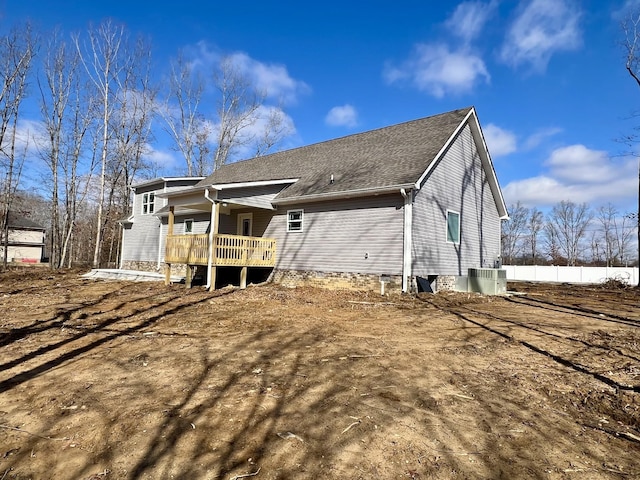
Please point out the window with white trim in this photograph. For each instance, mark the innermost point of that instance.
(148, 201)
(453, 227)
(188, 225)
(294, 220)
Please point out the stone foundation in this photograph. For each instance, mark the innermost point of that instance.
(336, 280)
(140, 266)
(177, 269)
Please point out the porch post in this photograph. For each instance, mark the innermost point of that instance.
(407, 246)
(213, 232)
(167, 266)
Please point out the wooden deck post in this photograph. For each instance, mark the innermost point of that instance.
(243, 277)
(189, 278)
(167, 266)
(167, 273)
(215, 222)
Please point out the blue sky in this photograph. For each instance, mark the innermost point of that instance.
(547, 77)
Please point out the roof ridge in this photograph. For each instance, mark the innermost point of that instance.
(351, 135)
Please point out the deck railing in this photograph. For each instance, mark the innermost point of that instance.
(229, 250)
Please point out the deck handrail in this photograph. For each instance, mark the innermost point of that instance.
(229, 250)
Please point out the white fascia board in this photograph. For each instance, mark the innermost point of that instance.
(164, 179)
(362, 192)
(494, 185)
(472, 119)
(181, 193)
(222, 186)
(418, 184)
(260, 183)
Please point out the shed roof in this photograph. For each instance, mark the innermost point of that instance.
(16, 221)
(375, 160)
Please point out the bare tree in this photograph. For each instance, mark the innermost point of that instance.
(60, 76)
(76, 182)
(242, 118)
(131, 123)
(187, 126)
(102, 60)
(274, 129)
(114, 66)
(17, 50)
(598, 247)
(615, 237)
(513, 230)
(535, 225)
(551, 245)
(567, 225)
(631, 45)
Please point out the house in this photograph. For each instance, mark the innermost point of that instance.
(25, 240)
(416, 203)
(141, 240)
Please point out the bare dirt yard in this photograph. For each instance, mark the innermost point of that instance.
(117, 380)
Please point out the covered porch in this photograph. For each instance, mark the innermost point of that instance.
(214, 249)
(226, 251)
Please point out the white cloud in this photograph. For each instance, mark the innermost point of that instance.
(31, 139)
(162, 159)
(540, 136)
(469, 19)
(577, 163)
(542, 28)
(272, 78)
(578, 174)
(499, 141)
(436, 69)
(342, 116)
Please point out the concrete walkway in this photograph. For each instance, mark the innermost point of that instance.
(132, 275)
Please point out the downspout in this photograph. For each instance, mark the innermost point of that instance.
(133, 209)
(407, 244)
(214, 218)
(160, 249)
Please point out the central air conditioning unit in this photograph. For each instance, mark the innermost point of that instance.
(489, 281)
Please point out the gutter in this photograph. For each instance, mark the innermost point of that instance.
(360, 192)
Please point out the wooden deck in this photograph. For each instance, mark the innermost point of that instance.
(228, 250)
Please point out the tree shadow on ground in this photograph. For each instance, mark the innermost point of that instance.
(290, 384)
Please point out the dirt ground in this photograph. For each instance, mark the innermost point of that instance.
(117, 380)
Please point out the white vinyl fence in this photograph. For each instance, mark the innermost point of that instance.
(556, 273)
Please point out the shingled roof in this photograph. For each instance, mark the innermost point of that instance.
(16, 221)
(387, 157)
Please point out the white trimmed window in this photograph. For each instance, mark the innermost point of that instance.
(294, 220)
(188, 226)
(148, 200)
(453, 227)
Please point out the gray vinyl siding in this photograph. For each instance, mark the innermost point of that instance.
(259, 197)
(336, 236)
(261, 219)
(143, 238)
(140, 239)
(458, 183)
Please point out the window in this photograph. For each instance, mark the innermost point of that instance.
(188, 225)
(294, 220)
(148, 199)
(453, 227)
